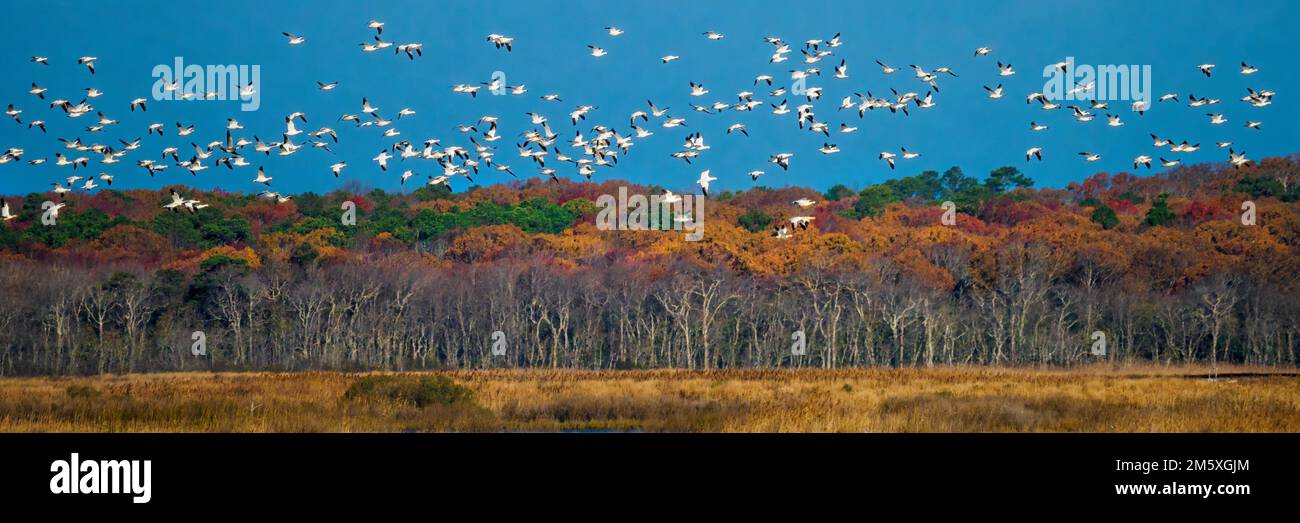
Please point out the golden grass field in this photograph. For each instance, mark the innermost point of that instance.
(961, 399)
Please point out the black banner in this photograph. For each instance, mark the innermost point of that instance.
(157, 473)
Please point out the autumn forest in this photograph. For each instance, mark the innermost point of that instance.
(1195, 265)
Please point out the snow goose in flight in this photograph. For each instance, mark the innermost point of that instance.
(669, 198)
(40, 60)
(994, 92)
(325, 131)
(1091, 157)
(367, 108)
(713, 35)
(412, 50)
(888, 157)
(673, 122)
(698, 89)
(1158, 141)
(502, 41)
(89, 62)
(1237, 160)
(1034, 152)
(614, 31)
(655, 111)
(704, 181)
(1169, 163)
(908, 155)
(38, 91)
(1216, 119)
(1248, 70)
(597, 51)
(945, 70)
(262, 178)
(1254, 125)
(1113, 120)
(13, 113)
(669, 57)
(1005, 69)
(1222, 145)
(1082, 88)
(829, 148)
(738, 128)
(983, 51)
(1206, 69)
(176, 203)
(802, 222)
(781, 159)
(382, 159)
(37, 123)
(1142, 160)
(1037, 127)
(842, 70)
(294, 39)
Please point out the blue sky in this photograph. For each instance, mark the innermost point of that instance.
(550, 56)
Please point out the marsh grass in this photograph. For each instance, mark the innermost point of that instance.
(953, 399)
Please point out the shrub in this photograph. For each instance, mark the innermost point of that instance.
(1159, 214)
(420, 391)
(79, 392)
(755, 220)
(1105, 216)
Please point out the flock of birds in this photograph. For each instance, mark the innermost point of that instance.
(599, 147)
